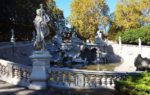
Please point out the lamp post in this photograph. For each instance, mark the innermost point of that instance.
(12, 40)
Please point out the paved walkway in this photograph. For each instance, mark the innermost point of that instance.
(8, 89)
(128, 62)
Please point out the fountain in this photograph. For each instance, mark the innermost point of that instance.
(67, 48)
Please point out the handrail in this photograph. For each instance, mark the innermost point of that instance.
(66, 78)
(84, 79)
(14, 73)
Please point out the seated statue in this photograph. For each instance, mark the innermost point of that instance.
(141, 63)
(42, 29)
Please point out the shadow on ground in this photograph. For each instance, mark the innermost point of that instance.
(8, 89)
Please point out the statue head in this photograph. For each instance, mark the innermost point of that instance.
(38, 12)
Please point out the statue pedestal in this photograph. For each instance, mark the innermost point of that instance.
(39, 75)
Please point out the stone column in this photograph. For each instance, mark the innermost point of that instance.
(140, 45)
(80, 80)
(39, 75)
(120, 43)
(98, 59)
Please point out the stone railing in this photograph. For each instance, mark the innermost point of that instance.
(14, 73)
(84, 79)
(18, 74)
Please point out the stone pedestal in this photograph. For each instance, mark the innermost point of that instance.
(39, 76)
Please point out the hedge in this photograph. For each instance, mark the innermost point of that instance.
(134, 85)
(131, 36)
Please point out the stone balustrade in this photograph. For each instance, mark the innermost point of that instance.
(18, 74)
(84, 79)
(13, 73)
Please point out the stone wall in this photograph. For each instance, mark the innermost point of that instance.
(128, 53)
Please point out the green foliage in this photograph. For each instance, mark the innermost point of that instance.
(131, 14)
(134, 85)
(113, 31)
(19, 15)
(131, 36)
(56, 17)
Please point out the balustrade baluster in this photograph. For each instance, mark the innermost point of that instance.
(54, 76)
(72, 79)
(10, 71)
(103, 80)
(113, 81)
(80, 79)
(118, 78)
(108, 81)
(98, 82)
(21, 73)
(6, 70)
(0, 69)
(86, 79)
(92, 81)
(66, 78)
(28, 75)
(18, 73)
(24, 74)
(15, 72)
(3, 70)
(60, 78)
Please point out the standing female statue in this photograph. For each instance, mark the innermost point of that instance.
(42, 29)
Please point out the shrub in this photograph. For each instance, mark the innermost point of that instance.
(131, 36)
(134, 85)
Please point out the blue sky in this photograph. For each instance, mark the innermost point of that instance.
(65, 5)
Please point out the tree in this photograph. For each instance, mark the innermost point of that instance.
(19, 15)
(86, 15)
(56, 17)
(145, 8)
(127, 14)
(104, 19)
(131, 13)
